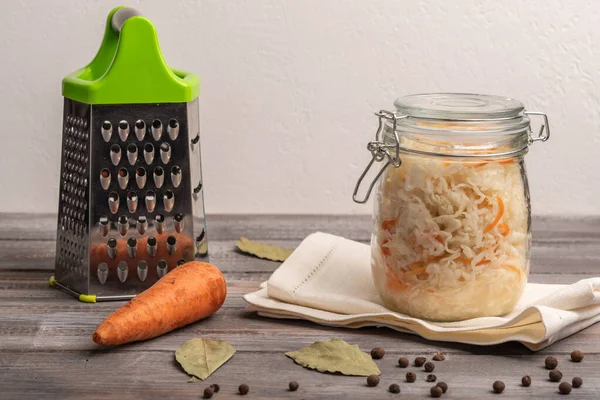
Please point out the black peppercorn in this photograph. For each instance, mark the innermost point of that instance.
(526, 381)
(436, 391)
(403, 362)
(564, 388)
(394, 388)
(411, 377)
(576, 356)
(555, 375)
(443, 386)
(372, 380)
(377, 353)
(577, 382)
(498, 387)
(215, 387)
(439, 357)
(244, 389)
(551, 362)
(208, 393)
(419, 361)
(293, 386)
(431, 378)
(429, 366)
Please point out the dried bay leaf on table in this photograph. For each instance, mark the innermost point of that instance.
(263, 250)
(335, 355)
(202, 357)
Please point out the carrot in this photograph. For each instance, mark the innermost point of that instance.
(483, 262)
(193, 291)
(503, 229)
(498, 217)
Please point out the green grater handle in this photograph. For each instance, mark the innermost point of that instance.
(129, 68)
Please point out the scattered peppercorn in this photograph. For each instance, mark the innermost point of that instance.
(372, 380)
(443, 386)
(564, 388)
(498, 387)
(526, 381)
(551, 362)
(439, 357)
(419, 361)
(215, 387)
(577, 356)
(377, 353)
(411, 377)
(431, 378)
(555, 375)
(403, 362)
(577, 382)
(208, 393)
(436, 391)
(394, 388)
(244, 389)
(293, 386)
(429, 366)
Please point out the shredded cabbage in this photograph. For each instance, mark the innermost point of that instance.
(451, 239)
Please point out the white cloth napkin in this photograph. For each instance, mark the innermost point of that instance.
(327, 280)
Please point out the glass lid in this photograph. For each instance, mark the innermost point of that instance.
(459, 106)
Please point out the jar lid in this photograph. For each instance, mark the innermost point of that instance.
(459, 106)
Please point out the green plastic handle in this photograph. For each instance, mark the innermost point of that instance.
(129, 68)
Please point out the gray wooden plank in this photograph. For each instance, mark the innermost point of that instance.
(45, 336)
(574, 257)
(58, 322)
(296, 227)
(155, 375)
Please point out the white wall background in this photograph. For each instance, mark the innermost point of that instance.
(289, 87)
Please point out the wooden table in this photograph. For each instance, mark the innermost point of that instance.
(46, 349)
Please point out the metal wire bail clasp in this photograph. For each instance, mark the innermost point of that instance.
(380, 151)
(544, 133)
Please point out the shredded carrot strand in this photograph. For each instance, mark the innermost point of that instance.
(503, 229)
(476, 165)
(514, 269)
(505, 162)
(439, 239)
(392, 281)
(498, 217)
(388, 224)
(411, 241)
(464, 260)
(430, 291)
(483, 262)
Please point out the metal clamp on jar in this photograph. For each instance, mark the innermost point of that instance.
(451, 225)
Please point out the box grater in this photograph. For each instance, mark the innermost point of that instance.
(131, 204)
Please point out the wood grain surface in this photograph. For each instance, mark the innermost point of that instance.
(46, 350)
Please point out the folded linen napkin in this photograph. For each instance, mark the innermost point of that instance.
(328, 280)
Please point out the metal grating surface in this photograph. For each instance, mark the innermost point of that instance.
(73, 211)
(117, 176)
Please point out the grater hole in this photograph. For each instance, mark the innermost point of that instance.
(173, 123)
(123, 125)
(156, 123)
(140, 124)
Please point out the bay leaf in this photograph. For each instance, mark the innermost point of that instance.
(335, 355)
(202, 357)
(263, 250)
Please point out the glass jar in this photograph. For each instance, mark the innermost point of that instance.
(451, 235)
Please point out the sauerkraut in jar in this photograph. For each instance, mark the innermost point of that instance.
(451, 228)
